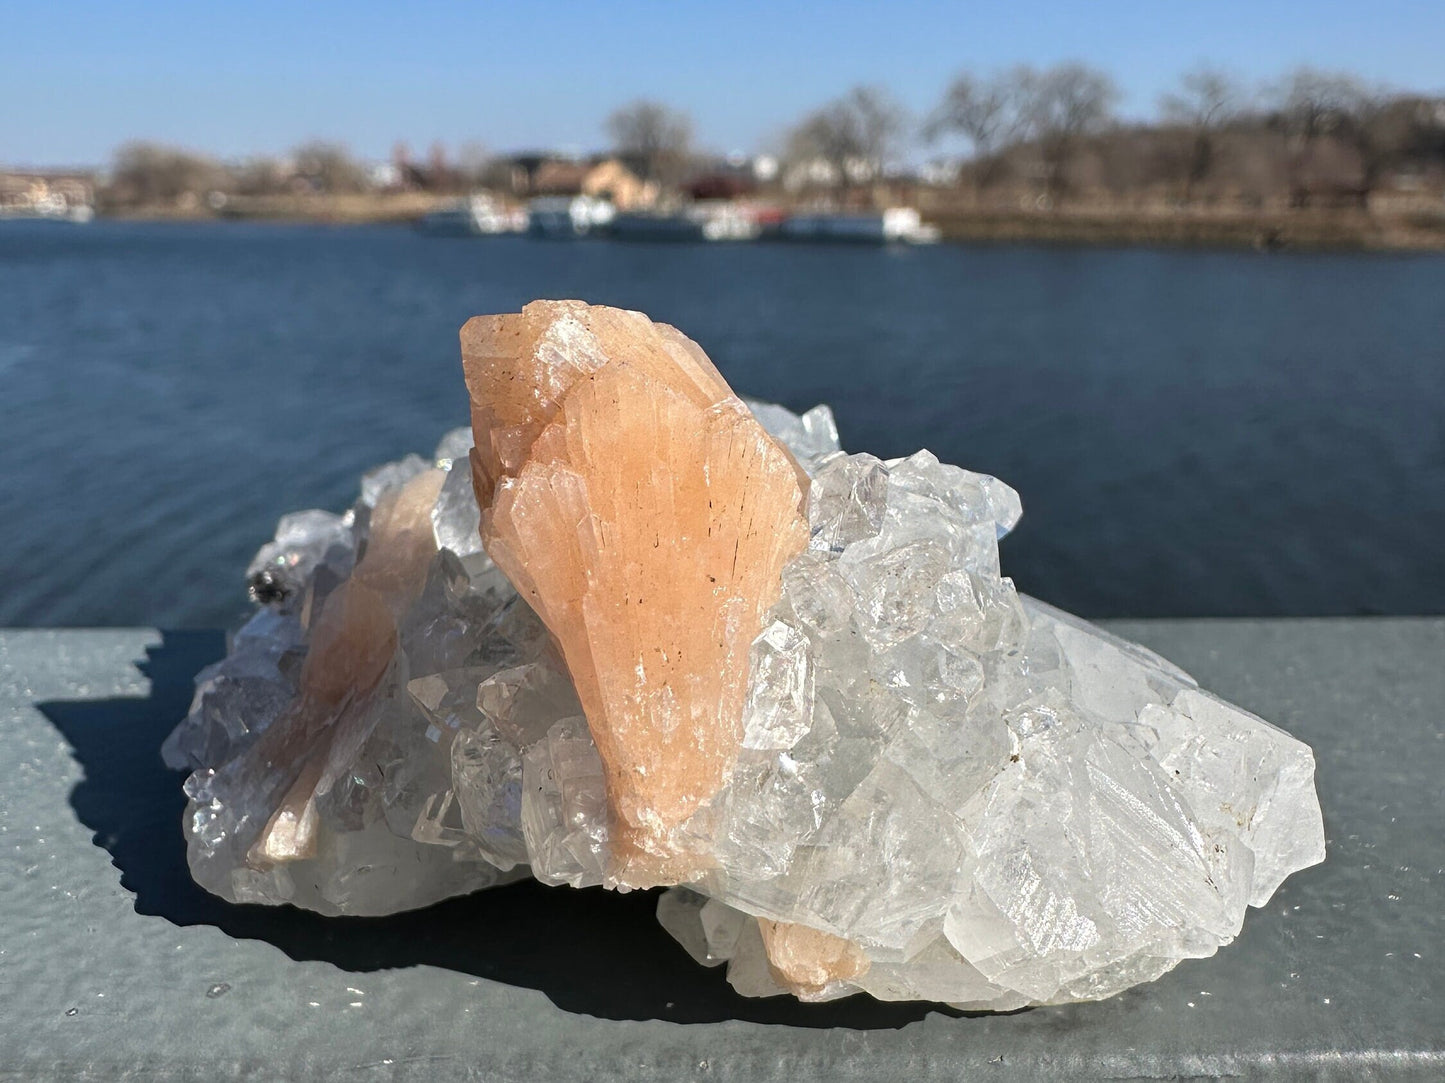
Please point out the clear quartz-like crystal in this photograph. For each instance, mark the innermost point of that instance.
(941, 789)
(1047, 813)
(564, 806)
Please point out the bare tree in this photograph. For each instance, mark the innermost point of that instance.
(1379, 126)
(820, 139)
(328, 167)
(1374, 121)
(983, 111)
(879, 122)
(1059, 107)
(1311, 103)
(152, 174)
(473, 161)
(855, 135)
(261, 175)
(659, 139)
(1206, 100)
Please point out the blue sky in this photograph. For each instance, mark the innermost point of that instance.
(75, 80)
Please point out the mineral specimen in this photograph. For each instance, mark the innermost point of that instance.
(791, 681)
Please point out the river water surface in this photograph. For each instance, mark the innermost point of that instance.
(1193, 433)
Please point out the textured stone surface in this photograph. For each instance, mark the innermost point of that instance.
(116, 966)
(903, 778)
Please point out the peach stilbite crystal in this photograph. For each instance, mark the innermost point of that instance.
(353, 642)
(646, 516)
(806, 961)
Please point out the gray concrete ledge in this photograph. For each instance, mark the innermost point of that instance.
(113, 965)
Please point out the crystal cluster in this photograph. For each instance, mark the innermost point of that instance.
(935, 788)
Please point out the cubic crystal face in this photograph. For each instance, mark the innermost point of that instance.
(919, 784)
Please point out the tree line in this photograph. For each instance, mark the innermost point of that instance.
(1309, 133)
(1280, 128)
(1053, 131)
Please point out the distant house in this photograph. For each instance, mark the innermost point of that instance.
(384, 176)
(821, 172)
(47, 195)
(724, 178)
(608, 178)
(941, 172)
(816, 172)
(558, 177)
(613, 180)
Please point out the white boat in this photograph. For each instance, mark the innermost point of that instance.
(731, 222)
(475, 216)
(569, 216)
(896, 225)
(721, 221)
(47, 210)
(656, 226)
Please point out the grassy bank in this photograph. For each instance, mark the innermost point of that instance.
(342, 209)
(1265, 230)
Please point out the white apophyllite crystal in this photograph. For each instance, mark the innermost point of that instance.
(1000, 803)
(994, 802)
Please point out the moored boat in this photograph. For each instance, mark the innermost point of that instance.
(720, 220)
(476, 216)
(657, 226)
(569, 216)
(896, 225)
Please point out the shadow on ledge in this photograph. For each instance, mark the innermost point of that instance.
(595, 952)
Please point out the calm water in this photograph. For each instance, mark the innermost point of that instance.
(1193, 433)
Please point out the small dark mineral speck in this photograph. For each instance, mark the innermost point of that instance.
(267, 588)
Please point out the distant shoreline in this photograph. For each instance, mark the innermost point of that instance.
(366, 208)
(1342, 230)
(1268, 231)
